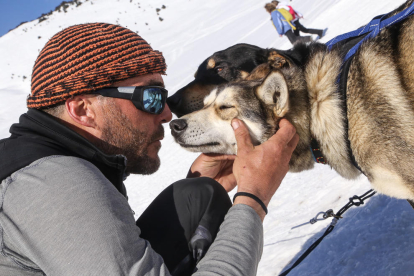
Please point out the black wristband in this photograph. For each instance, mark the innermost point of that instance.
(253, 197)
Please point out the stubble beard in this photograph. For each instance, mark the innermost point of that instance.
(120, 137)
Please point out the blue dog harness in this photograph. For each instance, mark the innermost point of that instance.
(370, 30)
(348, 44)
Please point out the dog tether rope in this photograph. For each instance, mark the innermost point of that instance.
(353, 201)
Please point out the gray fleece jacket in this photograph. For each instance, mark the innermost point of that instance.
(61, 216)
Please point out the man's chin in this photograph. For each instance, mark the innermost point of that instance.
(145, 166)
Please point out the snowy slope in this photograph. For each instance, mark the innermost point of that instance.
(375, 239)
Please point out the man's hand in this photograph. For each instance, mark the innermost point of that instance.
(260, 170)
(216, 166)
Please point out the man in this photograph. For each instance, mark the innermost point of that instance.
(95, 115)
(283, 25)
(296, 16)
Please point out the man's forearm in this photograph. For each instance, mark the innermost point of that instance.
(238, 247)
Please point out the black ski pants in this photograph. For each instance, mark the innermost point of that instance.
(170, 221)
(294, 38)
(303, 29)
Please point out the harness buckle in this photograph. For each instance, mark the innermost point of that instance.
(356, 200)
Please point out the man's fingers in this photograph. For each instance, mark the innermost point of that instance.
(285, 133)
(294, 142)
(218, 156)
(242, 135)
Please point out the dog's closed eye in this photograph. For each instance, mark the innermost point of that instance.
(223, 107)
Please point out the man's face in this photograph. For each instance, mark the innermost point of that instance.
(132, 132)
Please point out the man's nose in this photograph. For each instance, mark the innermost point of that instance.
(166, 114)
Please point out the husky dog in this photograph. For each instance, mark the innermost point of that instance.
(370, 126)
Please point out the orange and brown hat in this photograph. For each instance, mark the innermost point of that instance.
(87, 57)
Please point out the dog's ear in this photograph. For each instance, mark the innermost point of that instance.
(260, 72)
(274, 92)
(276, 60)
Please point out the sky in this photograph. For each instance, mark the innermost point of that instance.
(374, 239)
(13, 12)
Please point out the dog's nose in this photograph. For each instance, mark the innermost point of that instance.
(178, 125)
(173, 101)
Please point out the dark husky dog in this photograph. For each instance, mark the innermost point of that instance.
(373, 122)
(231, 64)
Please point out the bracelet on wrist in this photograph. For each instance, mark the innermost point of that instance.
(252, 196)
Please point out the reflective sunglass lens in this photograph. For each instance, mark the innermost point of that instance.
(152, 100)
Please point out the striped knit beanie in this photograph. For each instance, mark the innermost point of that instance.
(87, 57)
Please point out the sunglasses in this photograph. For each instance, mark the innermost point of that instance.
(150, 99)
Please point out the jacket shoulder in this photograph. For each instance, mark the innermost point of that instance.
(57, 167)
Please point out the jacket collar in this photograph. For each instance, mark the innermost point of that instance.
(39, 135)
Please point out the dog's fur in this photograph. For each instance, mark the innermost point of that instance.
(300, 85)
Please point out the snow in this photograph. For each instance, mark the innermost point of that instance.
(373, 239)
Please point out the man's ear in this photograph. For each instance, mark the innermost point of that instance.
(81, 110)
(274, 91)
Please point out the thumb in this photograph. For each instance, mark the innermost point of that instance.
(244, 142)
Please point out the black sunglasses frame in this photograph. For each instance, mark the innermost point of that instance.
(135, 94)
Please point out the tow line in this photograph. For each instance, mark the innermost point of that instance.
(353, 201)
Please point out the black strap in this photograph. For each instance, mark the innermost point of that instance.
(316, 151)
(342, 88)
(343, 79)
(253, 197)
(411, 202)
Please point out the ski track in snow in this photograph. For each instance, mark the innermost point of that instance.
(374, 239)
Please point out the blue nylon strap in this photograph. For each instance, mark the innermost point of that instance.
(371, 29)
